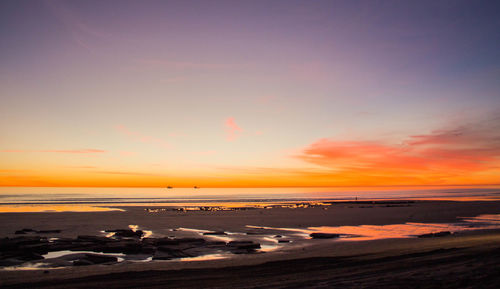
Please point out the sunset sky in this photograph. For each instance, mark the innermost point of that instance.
(249, 93)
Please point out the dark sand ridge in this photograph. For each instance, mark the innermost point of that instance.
(74, 224)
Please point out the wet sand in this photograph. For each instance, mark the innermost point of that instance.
(311, 263)
(468, 262)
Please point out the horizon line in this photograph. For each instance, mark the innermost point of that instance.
(256, 187)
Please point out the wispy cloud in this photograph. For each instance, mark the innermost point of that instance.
(174, 79)
(308, 71)
(80, 167)
(205, 153)
(82, 151)
(12, 171)
(233, 130)
(266, 99)
(137, 136)
(179, 65)
(81, 32)
(128, 173)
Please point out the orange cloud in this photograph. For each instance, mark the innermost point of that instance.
(468, 155)
(84, 151)
(447, 156)
(233, 130)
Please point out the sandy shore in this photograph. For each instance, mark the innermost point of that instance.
(301, 263)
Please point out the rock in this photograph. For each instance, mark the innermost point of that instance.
(82, 262)
(167, 253)
(190, 240)
(239, 247)
(63, 240)
(60, 246)
(238, 243)
(432, 235)
(166, 241)
(84, 246)
(110, 248)
(126, 233)
(30, 256)
(10, 262)
(256, 232)
(441, 234)
(324, 235)
(242, 251)
(252, 246)
(42, 248)
(25, 231)
(123, 246)
(91, 259)
(100, 259)
(112, 231)
(283, 241)
(93, 239)
(132, 248)
(278, 236)
(160, 255)
(130, 233)
(148, 249)
(215, 244)
(215, 233)
(49, 231)
(22, 255)
(149, 241)
(7, 244)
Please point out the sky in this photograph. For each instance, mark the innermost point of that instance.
(249, 93)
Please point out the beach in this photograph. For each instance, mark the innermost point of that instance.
(249, 144)
(387, 241)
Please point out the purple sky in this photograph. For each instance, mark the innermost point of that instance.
(234, 90)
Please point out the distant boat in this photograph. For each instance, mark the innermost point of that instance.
(195, 187)
(169, 187)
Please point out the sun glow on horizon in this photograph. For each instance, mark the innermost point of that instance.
(234, 94)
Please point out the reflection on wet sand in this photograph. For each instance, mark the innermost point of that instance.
(265, 239)
(57, 254)
(188, 244)
(46, 208)
(207, 257)
(407, 230)
(484, 219)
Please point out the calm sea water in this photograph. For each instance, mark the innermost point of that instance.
(130, 196)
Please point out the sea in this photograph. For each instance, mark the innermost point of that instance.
(47, 199)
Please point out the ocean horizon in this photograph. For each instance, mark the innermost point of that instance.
(164, 196)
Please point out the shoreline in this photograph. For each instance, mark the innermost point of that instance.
(265, 225)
